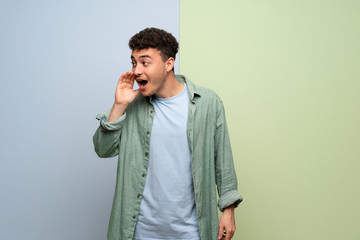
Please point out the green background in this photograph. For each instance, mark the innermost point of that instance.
(289, 76)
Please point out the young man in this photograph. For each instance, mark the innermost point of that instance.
(173, 146)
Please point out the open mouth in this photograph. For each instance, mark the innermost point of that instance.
(142, 83)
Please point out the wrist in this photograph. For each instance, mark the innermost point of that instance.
(120, 105)
(229, 208)
(117, 111)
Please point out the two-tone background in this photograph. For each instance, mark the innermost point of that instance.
(288, 73)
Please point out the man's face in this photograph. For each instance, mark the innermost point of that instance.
(150, 71)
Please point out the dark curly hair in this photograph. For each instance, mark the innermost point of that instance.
(155, 38)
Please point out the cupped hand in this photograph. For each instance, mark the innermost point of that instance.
(124, 93)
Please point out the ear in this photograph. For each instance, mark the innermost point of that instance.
(169, 64)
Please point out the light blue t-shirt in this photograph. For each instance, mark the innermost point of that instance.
(168, 210)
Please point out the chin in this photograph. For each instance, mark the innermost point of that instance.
(145, 94)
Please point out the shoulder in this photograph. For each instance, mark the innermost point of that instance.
(202, 96)
(199, 91)
(207, 93)
(208, 103)
(208, 96)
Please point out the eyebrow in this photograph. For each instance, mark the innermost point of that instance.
(142, 56)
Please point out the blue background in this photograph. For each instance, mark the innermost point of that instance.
(59, 65)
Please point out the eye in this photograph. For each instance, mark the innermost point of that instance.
(145, 63)
(133, 64)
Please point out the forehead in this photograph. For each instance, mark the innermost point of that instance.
(143, 53)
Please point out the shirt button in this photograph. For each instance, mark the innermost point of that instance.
(146, 154)
(143, 175)
(147, 133)
(151, 111)
(138, 196)
(134, 217)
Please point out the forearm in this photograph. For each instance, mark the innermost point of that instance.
(106, 137)
(117, 111)
(224, 166)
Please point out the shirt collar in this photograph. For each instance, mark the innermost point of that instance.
(191, 88)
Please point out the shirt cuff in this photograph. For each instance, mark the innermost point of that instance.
(232, 197)
(110, 126)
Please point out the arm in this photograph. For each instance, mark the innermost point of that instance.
(106, 137)
(226, 181)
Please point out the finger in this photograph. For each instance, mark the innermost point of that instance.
(221, 232)
(127, 77)
(137, 91)
(132, 76)
(229, 234)
(121, 78)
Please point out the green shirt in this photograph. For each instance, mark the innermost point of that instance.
(212, 163)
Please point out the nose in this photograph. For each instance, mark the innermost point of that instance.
(137, 70)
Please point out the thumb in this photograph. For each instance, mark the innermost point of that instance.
(136, 92)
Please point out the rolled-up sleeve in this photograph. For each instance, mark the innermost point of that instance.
(106, 137)
(226, 180)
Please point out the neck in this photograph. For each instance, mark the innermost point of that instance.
(171, 87)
